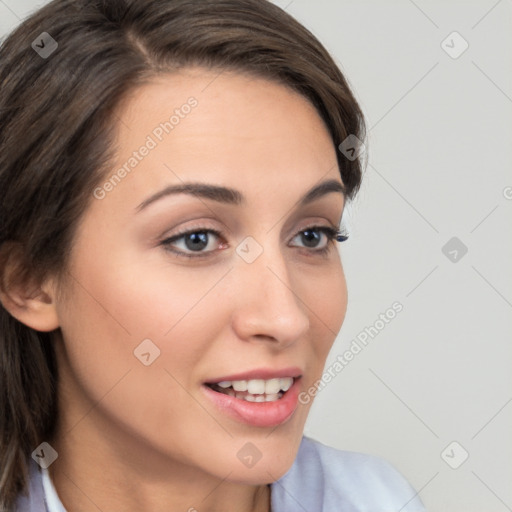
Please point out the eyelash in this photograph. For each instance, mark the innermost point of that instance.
(333, 235)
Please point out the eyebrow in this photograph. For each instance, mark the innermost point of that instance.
(232, 196)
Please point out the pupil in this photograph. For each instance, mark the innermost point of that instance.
(310, 236)
(197, 241)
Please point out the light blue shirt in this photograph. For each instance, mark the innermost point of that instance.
(321, 479)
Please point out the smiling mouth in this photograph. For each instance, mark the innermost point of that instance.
(254, 390)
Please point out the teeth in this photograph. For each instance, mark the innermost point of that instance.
(255, 398)
(240, 385)
(286, 383)
(256, 386)
(259, 386)
(272, 386)
(256, 390)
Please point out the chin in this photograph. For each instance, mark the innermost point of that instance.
(265, 458)
(262, 473)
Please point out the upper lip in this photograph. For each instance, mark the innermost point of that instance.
(259, 373)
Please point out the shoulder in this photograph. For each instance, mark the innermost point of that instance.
(324, 478)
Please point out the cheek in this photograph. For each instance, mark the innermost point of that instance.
(326, 301)
(116, 303)
(112, 308)
(145, 296)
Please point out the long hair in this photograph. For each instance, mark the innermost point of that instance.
(63, 72)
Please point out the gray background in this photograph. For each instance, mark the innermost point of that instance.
(439, 158)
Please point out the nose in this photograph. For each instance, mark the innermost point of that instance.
(267, 303)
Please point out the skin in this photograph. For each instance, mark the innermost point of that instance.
(135, 437)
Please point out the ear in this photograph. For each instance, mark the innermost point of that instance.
(27, 300)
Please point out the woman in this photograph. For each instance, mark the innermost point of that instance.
(172, 191)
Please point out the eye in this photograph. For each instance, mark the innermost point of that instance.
(195, 241)
(320, 238)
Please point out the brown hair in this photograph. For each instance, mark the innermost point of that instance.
(56, 141)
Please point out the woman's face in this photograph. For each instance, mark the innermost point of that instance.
(144, 326)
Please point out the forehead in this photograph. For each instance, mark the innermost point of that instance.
(238, 107)
(219, 127)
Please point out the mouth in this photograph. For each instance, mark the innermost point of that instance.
(254, 390)
(259, 402)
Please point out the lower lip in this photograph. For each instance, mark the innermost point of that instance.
(258, 414)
